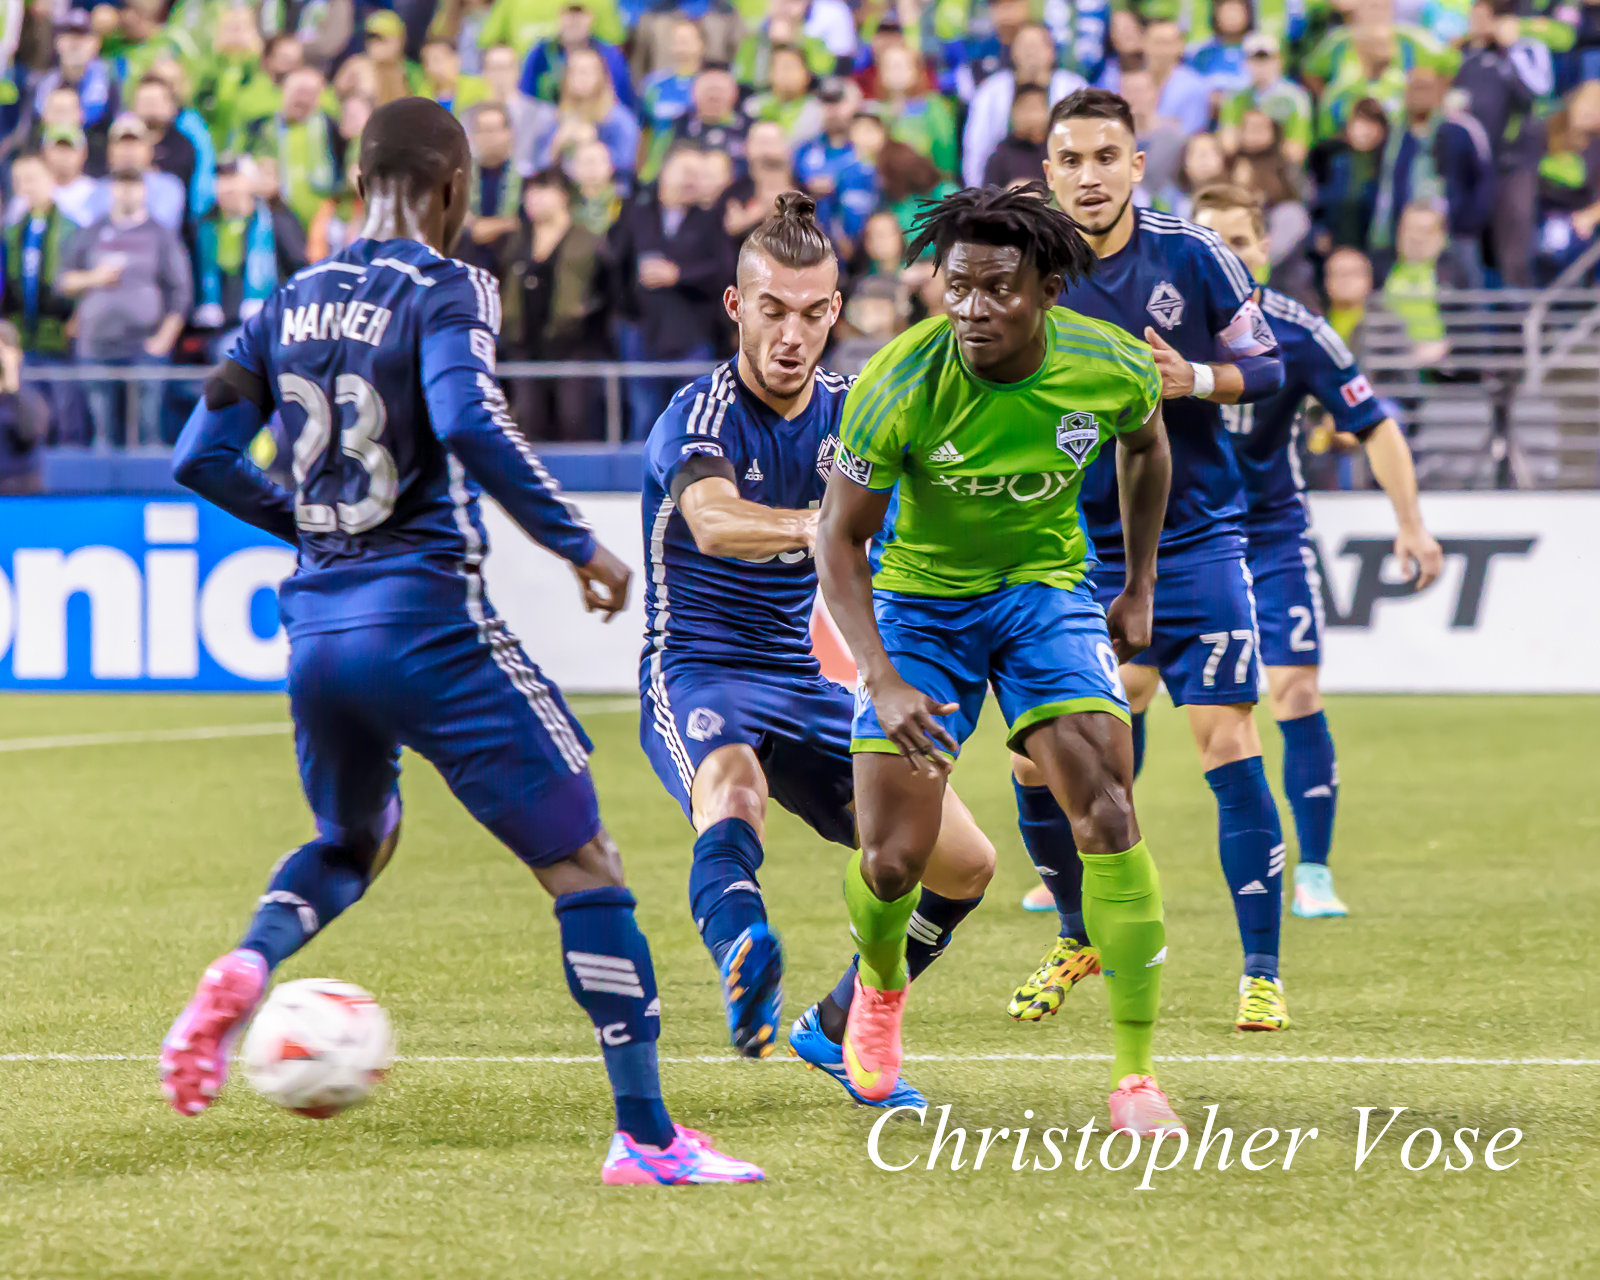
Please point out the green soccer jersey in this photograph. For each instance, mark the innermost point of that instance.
(988, 472)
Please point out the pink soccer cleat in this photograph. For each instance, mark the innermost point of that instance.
(195, 1054)
(690, 1159)
(872, 1041)
(1141, 1108)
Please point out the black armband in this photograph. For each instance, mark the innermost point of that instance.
(700, 466)
(232, 383)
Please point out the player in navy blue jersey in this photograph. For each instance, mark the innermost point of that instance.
(736, 710)
(380, 363)
(1178, 287)
(1282, 560)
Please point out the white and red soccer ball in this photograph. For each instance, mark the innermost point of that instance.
(318, 1047)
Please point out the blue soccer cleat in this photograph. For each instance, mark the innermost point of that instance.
(752, 990)
(808, 1042)
(1314, 897)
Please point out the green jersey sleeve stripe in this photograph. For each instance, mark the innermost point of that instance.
(881, 400)
(920, 356)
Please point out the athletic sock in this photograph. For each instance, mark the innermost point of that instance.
(1122, 899)
(1047, 836)
(1311, 781)
(723, 893)
(879, 929)
(607, 962)
(928, 933)
(308, 888)
(1250, 840)
(1138, 743)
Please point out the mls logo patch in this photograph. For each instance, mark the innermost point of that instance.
(703, 724)
(1166, 305)
(825, 455)
(1077, 436)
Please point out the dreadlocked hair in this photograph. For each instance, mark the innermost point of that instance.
(1016, 217)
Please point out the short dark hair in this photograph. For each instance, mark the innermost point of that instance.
(791, 237)
(1021, 218)
(1223, 197)
(554, 176)
(1094, 104)
(415, 142)
(1030, 91)
(160, 82)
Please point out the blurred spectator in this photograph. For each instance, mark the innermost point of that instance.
(674, 259)
(156, 107)
(189, 123)
(1266, 172)
(1347, 192)
(714, 121)
(1021, 153)
(493, 188)
(665, 97)
(914, 116)
(1183, 93)
(461, 22)
(1411, 290)
(1408, 45)
(1160, 138)
(530, 117)
(247, 246)
(397, 77)
(882, 250)
(448, 85)
(1221, 59)
(875, 315)
(1373, 71)
(80, 67)
(1033, 62)
(1203, 163)
(338, 219)
(64, 152)
(555, 277)
(1503, 75)
(304, 142)
(906, 178)
(1347, 282)
(24, 421)
(1586, 41)
(131, 277)
(34, 244)
(589, 109)
(1270, 91)
(1569, 180)
(785, 25)
(544, 72)
(130, 151)
(242, 81)
(789, 103)
(1438, 156)
(769, 164)
(143, 39)
(845, 185)
(596, 203)
(985, 48)
(522, 23)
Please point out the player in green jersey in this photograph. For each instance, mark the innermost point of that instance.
(976, 428)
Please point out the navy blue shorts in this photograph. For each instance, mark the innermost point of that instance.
(466, 699)
(798, 726)
(1205, 642)
(1288, 589)
(1045, 650)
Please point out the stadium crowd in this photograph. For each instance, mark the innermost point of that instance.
(166, 163)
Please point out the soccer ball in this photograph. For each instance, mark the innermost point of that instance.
(318, 1047)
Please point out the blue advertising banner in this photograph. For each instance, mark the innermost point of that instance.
(137, 594)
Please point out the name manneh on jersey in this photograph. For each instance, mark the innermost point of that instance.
(328, 321)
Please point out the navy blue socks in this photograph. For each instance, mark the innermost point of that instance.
(1250, 840)
(1047, 836)
(1138, 743)
(308, 888)
(607, 962)
(1311, 781)
(723, 893)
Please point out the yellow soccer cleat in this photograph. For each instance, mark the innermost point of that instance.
(1069, 961)
(1262, 1005)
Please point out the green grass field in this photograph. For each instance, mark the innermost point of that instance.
(1467, 848)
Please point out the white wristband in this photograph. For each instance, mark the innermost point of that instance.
(1205, 382)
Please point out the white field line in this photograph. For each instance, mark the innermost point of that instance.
(560, 1060)
(600, 707)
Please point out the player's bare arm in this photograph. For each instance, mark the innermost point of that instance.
(1144, 475)
(724, 524)
(1390, 459)
(1249, 379)
(851, 516)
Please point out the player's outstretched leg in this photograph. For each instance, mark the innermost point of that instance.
(308, 888)
(729, 800)
(1087, 758)
(1311, 782)
(1250, 842)
(958, 872)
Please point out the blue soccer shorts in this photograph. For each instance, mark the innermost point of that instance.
(1204, 641)
(465, 698)
(797, 723)
(1288, 590)
(1044, 649)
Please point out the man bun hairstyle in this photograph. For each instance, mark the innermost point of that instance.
(1094, 104)
(1021, 218)
(1223, 197)
(415, 143)
(791, 237)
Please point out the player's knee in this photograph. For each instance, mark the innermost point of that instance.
(1224, 735)
(1139, 683)
(1294, 692)
(1108, 825)
(891, 869)
(1025, 771)
(735, 800)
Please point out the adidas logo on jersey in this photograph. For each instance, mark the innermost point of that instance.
(1255, 886)
(947, 453)
(753, 475)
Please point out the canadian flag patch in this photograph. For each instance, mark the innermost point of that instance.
(1356, 390)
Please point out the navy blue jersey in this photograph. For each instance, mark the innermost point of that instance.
(1183, 282)
(1265, 435)
(380, 361)
(750, 613)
